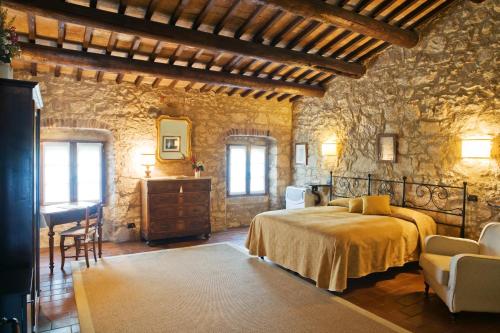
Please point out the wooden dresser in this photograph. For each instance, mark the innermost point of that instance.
(175, 207)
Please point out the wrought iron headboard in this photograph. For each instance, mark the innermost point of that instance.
(422, 196)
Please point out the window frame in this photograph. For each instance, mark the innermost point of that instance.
(73, 172)
(248, 147)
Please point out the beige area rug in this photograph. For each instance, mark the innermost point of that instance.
(208, 288)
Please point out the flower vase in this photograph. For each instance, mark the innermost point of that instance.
(6, 71)
(197, 173)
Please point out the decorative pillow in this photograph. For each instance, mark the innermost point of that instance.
(376, 205)
(355, 205)
(342, 202)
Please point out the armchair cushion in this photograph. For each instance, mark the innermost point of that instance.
(450, 246)
(436, 266)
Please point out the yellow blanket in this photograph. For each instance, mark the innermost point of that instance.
(329, 245)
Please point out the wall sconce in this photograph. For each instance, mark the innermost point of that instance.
(476, 148)
(329, 149)
(148, 160)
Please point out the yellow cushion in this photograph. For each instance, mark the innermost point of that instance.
(376, 205)
(342, 202)
(355, 205)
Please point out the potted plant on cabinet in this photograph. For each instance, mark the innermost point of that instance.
(9, 47)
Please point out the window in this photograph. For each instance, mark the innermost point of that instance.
(72, 171)
(247, 169)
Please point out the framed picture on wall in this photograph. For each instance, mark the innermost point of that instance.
(171, 144)
(301, 153)
(387, 147)
(173, 138)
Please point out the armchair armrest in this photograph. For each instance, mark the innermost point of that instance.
(450, 246)
(474, 283)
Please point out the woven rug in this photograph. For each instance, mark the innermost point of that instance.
(208, 288)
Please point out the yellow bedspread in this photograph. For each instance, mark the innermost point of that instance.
(329, 245)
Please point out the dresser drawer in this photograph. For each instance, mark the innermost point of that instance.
(162, 199)
(173, 211)
(196, 198)
(179, 225)
(164, 211)
(174, 186)
(164, 187)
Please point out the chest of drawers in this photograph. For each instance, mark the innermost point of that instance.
(175, 207)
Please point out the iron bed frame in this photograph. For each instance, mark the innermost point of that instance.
(422, 196)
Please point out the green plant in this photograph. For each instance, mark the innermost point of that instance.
(9, 47)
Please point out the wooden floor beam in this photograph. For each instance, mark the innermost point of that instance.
(117, 23)
(346, 19)
(99, 62)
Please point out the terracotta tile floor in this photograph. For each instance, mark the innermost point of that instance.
(396, 295)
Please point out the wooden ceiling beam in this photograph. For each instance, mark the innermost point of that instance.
(177, 11)
(86, 16)
(122, 6)
(289, 27)
(34, 69)
(150, 9)
(283, 97)
(173, 84)
(87, 37)
(346, 19)
(99, 76)
(245, 68)
(138, 80)
(226, 17)
(31, 27)
(79, 73)
(61, 33)
(203, 14)
(321, 36)
(98, 62)
(259, 35)
(241, 30)
(177, 53)
(385, 4)
(156, 82)
(309, 29)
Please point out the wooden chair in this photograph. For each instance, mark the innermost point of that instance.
(82, 235)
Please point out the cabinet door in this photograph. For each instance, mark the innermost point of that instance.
(17, 169)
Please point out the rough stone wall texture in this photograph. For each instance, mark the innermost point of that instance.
(128, 115)
(431, 96)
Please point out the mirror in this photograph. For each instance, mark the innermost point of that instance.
(173, 138)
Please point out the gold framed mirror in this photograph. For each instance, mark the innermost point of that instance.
(173, 139)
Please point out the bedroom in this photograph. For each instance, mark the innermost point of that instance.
(435, 96)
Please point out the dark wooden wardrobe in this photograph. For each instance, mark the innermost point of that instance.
(20, 102)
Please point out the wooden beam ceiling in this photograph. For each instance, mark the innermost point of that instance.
(118, 23)
(346, 19)
(98, 62)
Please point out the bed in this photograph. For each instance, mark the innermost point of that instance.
(329, 245)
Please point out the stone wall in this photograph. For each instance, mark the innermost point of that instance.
(431, 96)
(128, 114)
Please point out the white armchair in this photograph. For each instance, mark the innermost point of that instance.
(464, 273)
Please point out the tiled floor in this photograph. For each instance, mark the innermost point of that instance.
(396, 295)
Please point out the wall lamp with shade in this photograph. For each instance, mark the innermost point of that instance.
(329, 149)
(148, 160)
(476, 148)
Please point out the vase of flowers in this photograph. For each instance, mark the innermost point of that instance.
(197, 166)
(9, 47)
